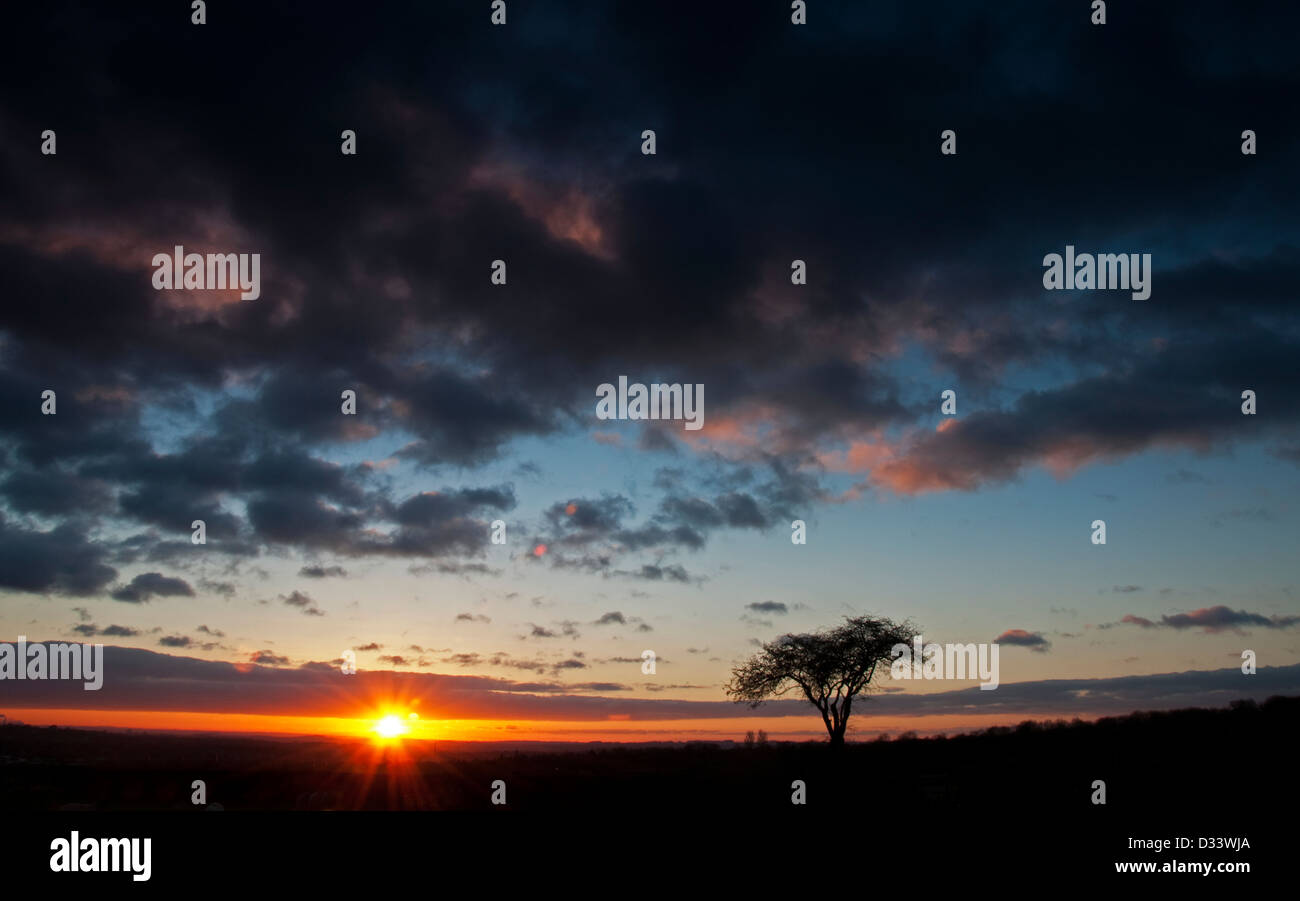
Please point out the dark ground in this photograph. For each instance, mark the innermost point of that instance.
(1185, 759)
(1004, 808)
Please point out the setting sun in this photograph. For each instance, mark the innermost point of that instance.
(390, 726)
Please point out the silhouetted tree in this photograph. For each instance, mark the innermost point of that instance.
(831, 668)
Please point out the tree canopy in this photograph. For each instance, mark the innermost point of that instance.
(831, 667)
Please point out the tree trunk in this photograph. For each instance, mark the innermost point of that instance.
(837, 736)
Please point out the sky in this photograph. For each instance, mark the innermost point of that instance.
(476, 402)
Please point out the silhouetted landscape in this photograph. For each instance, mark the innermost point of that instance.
(1156, 762)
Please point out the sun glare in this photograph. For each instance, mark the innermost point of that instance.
(390, 726)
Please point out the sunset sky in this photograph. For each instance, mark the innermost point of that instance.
(476, 402)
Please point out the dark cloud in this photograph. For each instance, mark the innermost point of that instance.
(1020, 638)
(119, 631)
(90, 629)
(429, 508)
(63, 560)
(736, 510)
(303, 602)
(54, 492)
(657, 573)
(1100, 417)
(680, 522)
(322, 572)
(1216, 619)
(542, 632)
(453, 568)
(582, 521)
(694, 245)
(768, 607)
(150, 585)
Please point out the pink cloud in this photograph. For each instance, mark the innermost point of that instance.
(568, 212)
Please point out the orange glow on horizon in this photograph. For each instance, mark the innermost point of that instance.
(795, 728)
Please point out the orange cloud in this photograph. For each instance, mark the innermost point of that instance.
(913, 477)
(860, 456)
(568, 213)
